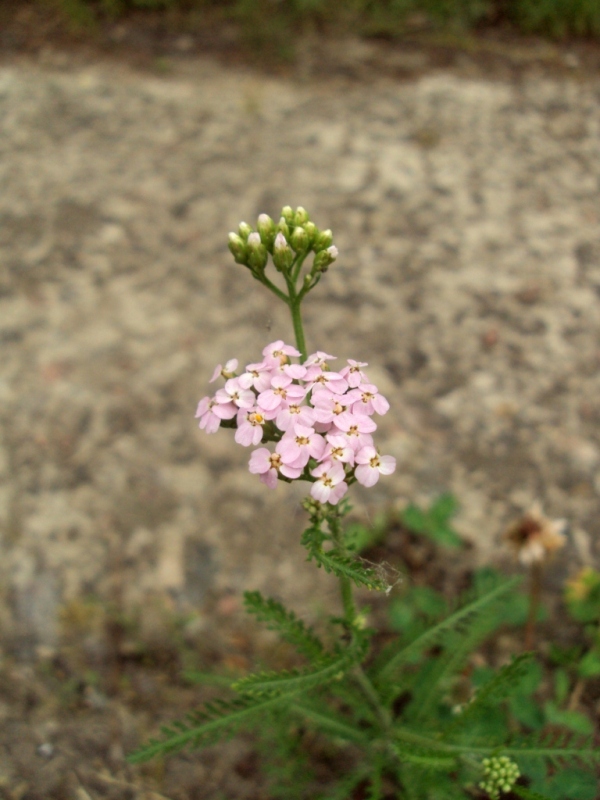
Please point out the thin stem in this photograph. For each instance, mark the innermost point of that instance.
(370, 693)
(294, 305)
(264, 280)
(297, 267)
(363, 682)
(535, 591)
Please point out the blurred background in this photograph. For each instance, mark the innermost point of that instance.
(453, 146)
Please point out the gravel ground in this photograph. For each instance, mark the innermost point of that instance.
(466, 214)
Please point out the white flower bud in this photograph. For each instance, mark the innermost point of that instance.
(254, 240)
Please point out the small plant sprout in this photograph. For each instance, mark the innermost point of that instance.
(383, 714)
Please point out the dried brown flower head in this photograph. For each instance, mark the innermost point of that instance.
(534, 537)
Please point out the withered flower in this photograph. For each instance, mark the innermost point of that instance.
(534, 537)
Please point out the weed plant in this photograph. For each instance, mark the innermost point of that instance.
(409, 718)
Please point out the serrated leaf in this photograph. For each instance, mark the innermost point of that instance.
(206, 725)
(293, 681)
(286, 623)
(395, 659)
(350, 568)
(505, 682)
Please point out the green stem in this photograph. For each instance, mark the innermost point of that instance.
(276, 291)
(367, 689)
(297, 266)
(294, 305)
(370, 693)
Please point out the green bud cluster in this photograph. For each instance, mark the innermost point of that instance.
(299, 236)
(500, 775)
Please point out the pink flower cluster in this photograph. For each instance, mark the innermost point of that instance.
(320, 420)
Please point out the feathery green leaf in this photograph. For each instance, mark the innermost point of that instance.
(395, 658)
(290, 628)
(217, 720)
(506, 681)
(296, 680)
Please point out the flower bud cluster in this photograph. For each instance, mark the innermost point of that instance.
(500, 775)
(321, 421)
(292, 237)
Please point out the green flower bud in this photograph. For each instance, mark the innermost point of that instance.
(300, 217)
(266, 228)
(311, 231)
(299, 240)
(282, 227)
(244, 230)
(257, 253)
(288, 215)
(323, 240)
(282, 253)
(324, 258)
(238, 248)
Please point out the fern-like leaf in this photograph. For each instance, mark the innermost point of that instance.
(426, 758)
(351, 568)
(556, 748)
(292, 681)
(286, 623)
(458, 646)
(217, 720)
(504, 683)
(394, 658)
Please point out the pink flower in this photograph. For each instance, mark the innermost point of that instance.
(235, 392)
(287, 416)
(318, 379)
(330, 485)
(260, 375)
(356, 430)
(279, 351)
(211, 413)
(299, 444)
(338, 449)
(371, 465)
(353, 373)
(268, 465)
(319, 358)
(228, 371)
(330, 407)
(250, 426)
(281, 393)
(367, 400)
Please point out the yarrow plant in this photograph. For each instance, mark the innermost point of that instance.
(392, 714)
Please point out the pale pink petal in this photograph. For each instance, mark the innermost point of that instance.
(366, 474)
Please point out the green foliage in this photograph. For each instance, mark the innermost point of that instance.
(292, 681)
(396, 656)
(273, 25)
(558, 18)
(434, 522)
(335, 561)
(215, 721)
(504, 683)
(286, 623)
(412, 717)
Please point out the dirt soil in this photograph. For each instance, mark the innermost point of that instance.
(464, 202)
